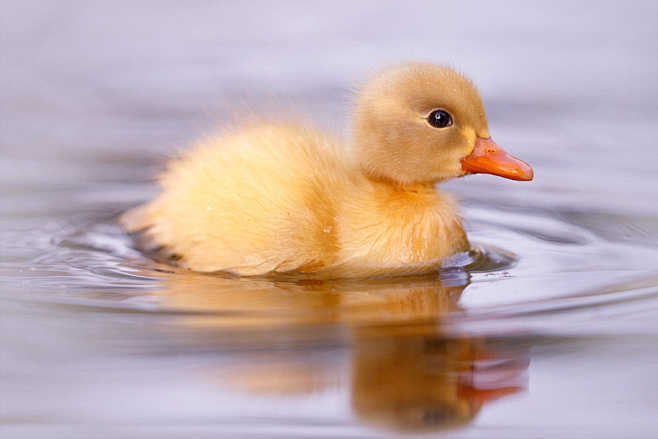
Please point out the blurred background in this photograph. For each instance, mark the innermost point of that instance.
(548, 330)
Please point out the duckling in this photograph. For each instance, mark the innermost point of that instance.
(283, 198)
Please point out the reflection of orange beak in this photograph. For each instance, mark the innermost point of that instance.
(489, 158)
(480, 397)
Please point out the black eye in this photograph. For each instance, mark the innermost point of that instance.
(439, 119)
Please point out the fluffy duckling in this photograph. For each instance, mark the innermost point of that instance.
(284, 198)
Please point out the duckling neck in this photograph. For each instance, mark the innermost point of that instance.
(412, 200)
(384, 183)
(405, 228)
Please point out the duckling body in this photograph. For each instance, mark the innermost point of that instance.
(282, 198)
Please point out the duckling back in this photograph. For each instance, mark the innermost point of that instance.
(259, 200)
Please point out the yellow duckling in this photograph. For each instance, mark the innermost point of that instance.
(283, 198)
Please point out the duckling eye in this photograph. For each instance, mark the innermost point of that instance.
(439, 119)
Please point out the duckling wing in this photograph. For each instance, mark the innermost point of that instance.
(260, 200)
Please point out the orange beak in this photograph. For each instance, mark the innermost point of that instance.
(489, 158)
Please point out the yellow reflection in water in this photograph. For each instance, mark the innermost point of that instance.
(404, 372)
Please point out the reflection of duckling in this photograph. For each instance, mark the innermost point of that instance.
(283, 198)
(401, 373)
(423, 383)
(261, 303)
(243, 313)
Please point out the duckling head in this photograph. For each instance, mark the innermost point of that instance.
(420, 123)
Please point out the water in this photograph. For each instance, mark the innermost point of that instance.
(548, 328)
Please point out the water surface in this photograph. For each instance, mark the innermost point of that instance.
(548, 328)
